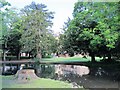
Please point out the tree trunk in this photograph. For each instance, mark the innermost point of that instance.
(39, 56)
(25, 54)
(29, 54)
(4, 58)
(37, 67)
(93, 57)
(18, 56)
(104, 57)
(109, 57)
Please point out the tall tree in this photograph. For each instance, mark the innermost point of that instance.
(93, 28)
(36, 24)
(3, 24)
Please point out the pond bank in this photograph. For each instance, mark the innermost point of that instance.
(10, 82)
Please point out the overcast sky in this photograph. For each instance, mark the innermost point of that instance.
(62, 8)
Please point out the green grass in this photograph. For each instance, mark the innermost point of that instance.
(9, 82)
(70, 59)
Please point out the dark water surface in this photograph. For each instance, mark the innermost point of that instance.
(99, 77)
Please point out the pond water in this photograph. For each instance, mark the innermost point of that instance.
(103, 78)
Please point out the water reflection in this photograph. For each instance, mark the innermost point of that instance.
(88, 77)
(74, 69)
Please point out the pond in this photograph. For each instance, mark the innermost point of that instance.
(106, 76)
(94, 77)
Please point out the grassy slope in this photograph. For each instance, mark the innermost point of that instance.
(8, 82)
(69, 59)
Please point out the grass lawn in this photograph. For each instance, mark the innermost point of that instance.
(9, 82)
(70, 59)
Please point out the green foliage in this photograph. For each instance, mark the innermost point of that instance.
(3, 18)
(3, 3)
(36, 24)
(50, 45)
(10, 31)
(93, 29)
(13, 43)
(28, 31)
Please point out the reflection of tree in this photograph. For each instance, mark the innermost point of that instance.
(47, 71)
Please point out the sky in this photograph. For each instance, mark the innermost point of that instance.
(62, 8)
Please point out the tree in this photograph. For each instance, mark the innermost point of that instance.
(36, 25)
(93, 29)
(13, 44)
(117, 48)
(11, 32)
(65, 41)
(50, 45)
(3, 24)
